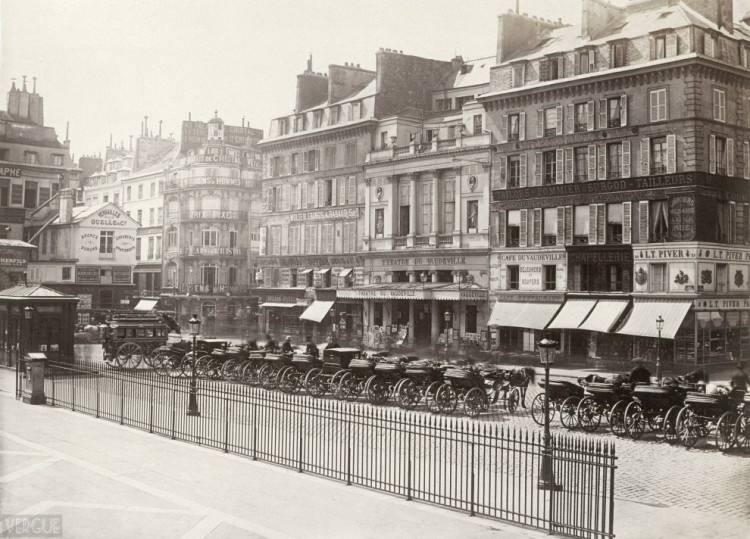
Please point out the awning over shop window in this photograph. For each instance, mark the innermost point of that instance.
(323, 271)
(305, 271)
(145, 305)
(345, 272)
(642, 319)
(280, 305)
(316, 311)
(536, 315)
(605, 315)
(574, 312)
(523, 315)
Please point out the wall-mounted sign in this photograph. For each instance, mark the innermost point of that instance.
(533, 257)
(682, 217)
(84, 301)
(88, 274)
(12, 258)
(209, 250)
(89, 242)
(125, 243)
(325, 215)
(10, 172)
(721, 304)
(216, 214)
(109, 217)
(312, 261)
(121, 275)
(724, 255)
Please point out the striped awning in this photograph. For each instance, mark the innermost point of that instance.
(503, 313)
(642, 318)
(523, 315)
(279, 305)
(317, 311)
(605, 315)
(574, 312)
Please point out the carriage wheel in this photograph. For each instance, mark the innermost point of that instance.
(616, 418)
(128, 355)
(398, 385)
(589, 415)
(569, 412)
(348, 387)
(725, 431)
(742, 431)
(157, 360)
(407, 394)
(201, 366)
(226, 369)
(314, 384)
(446, 399)
(250, 373)
(267, 376)
(186, 365)
(377, 390)
(688, 427)
(148, 359)
(512, 400)
(288, 379)
(635, 422)
(668, 424)
(333, 383)
(429, 397)
(475, 401)
(538, 405)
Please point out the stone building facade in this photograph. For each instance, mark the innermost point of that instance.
(620, 186)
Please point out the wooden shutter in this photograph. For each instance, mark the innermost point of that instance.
(351, 190)
(560, 118)
(712, 154)
(732, 222)
(537, 226)
(601, 224)
(627, 222)
(303, 195)
(334, 192)
(568, 165)
(602, 161)
(623, 110)
(522, 173)
(671, 154)
(503, 162)
(305, 161)
(652, 48)
(592, 224)
(645, 157)
(643, 221)
(522, 126)
(502, 220)
(671, 44)
(625, 168)
(543, 69)
(740, 226)
(591, 176)
(568, 225)
(537, 168)
(524, 229)
(342, 191)
(590, 116)
(602, 114)
(539, 123)
(504, 129)
(592, 61)
(746, 159)
(559, 165)
(571, 118)
(730, 157)
(560, 67)
(560, 226)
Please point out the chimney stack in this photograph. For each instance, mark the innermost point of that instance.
(67, 199)
(159, 128)
(145, 125)
(131, 143)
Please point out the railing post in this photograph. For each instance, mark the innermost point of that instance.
(408, 465)
(97, 396)
(174, 390)
(612, 467)
(349, 445)
(226, 424)
(18, 380)
(122, 401)
(255, 429)
(73, 404)
(151, 407)
(299, 440)
(471, 495)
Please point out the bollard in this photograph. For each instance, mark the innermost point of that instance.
(33, 388)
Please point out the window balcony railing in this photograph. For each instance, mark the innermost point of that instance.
(422, 241)
(661, 237)
(581, 127)
(399, 241)
(549, 241)
(513, 242)
(580, 240)
(444, 144)
(444, 240)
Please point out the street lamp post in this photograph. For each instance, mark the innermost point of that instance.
(547, 477)
(448, 329)
(195, 328)
(659, 327)
(28, 314)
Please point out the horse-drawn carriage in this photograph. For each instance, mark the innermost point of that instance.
(128, 339)
(705, 412)
(563, 398)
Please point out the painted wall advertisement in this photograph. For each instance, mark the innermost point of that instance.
(88, 274)
(121, 275)
(84, 301)
(682, 217)
(125, 243)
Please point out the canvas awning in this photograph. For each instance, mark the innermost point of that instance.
(605, 315)
(145, 305)
(276, 304)
(574, 312)
(523, 315)
(323, 271)
(536, 315)
(305, 271)
(345, 272)
(316, 311)
(642, 319)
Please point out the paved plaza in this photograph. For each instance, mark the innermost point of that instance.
(112, 481)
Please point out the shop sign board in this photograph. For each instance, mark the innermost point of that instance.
(703, 253)
(84, 301)
(121, 275)
(88, 274)
(682, 217)
(431, 262)
(722, 304)
(325, 215)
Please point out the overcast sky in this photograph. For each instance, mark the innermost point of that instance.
(105, 64)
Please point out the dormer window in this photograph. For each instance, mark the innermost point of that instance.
(584, 61)
(299, 124)
(709, 45)
(660, 47)
(519, 74)
(283, 126)
(617, 54)
(317, 119)
(333, 115)
(551, 68)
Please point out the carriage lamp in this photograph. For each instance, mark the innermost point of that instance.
(28, 312)
(659, 327)
(195, 328)
(547, 349)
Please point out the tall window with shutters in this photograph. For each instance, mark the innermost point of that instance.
(658, 218)
(581, 116)
(720, 105)
(657, 100)
(617, 111)
(658, 155)
(426, 208)
(614, 160)
(514, 171)
(513, 229)
(404, 208)
(580, 163)
(448, 198)
(721, 155)
(550, 121)
(549, 226)
(581, 225)
(518, 72)
(614, 223)
(617, 54)
(514, 125)
(549, 167)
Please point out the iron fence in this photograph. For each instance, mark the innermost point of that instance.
(480, 468)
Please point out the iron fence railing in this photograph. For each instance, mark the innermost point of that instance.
(478, 467)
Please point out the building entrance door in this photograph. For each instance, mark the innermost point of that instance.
(423, 323)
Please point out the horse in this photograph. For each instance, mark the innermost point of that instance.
(520, 378)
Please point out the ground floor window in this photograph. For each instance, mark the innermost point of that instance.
(471, 319)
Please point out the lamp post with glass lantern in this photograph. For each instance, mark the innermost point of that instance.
(448, 329)
(659, 327)
(28, 314)
(195, 328)
(547, 348)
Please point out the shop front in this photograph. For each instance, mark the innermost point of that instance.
(519, 321)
